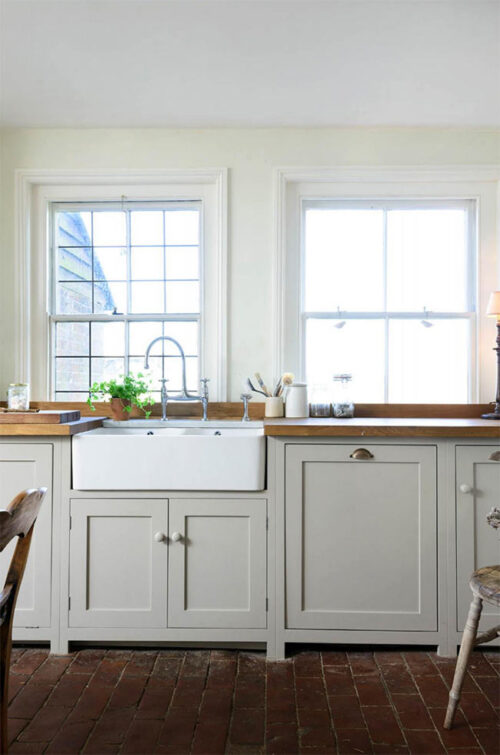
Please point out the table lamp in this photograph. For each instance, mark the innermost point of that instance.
(493, 310)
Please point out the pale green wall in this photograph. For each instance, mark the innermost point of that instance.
(250, 155)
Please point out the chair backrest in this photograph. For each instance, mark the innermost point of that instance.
(17, 520)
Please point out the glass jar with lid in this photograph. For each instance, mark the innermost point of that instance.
(18, 397)
(320, 401)
(343, 406)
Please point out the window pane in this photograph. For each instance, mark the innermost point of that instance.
(109, 296)
(74, 298)
(343, 260)
(183, 297)
(428, 364)
(146, 227)
(182, 262)
(182, 227)
(73, 229)
(108, 338)
(192, 374)
(110, 228)
(72, 374)
(136, 364)
(147, 263)
(356, 348)
(147, 298)
(140, 336)
(186, 333)
(105, 368)
(63, 396)
(427, 260)
(74, 263)
(110, 263)
(72, 339)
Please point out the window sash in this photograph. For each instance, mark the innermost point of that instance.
(126, 317)
(386, 205)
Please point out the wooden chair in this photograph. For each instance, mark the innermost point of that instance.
(485, 586)
(17, 520)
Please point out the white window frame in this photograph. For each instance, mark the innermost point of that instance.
(477, 184)
(36, 191)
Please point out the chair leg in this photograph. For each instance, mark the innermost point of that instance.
(5, 646)
(468, 641)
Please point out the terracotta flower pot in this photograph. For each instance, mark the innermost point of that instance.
(118, 409)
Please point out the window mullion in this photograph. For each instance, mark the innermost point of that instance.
(386, 320)
(129, 290)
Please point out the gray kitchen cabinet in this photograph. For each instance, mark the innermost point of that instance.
(217, 563)
(361, 537)
(477, 492)
(118, 562)
(22, 466)
(130, 558)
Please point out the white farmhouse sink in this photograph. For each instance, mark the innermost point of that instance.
(153, 455)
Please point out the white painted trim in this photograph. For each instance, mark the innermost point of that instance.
(285, 177)
(28, 181)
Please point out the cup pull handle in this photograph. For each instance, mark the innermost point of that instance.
(495, 456)
(361, 453)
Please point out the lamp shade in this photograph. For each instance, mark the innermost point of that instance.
(494, 304)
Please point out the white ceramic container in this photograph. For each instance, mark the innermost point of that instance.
(274, 406)
(296, 404)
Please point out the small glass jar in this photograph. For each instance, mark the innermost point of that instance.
(319, 402)
(343, 406)
(18, 397)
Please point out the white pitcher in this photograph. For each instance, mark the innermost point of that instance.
(296, 404)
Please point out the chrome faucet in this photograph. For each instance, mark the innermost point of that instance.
(184, 395)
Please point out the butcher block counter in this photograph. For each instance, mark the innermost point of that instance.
(64, 428)
(384, 427)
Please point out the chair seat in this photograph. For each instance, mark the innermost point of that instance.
(485, 583)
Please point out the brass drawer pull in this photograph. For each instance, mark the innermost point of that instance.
(495, 456)
(361, 453)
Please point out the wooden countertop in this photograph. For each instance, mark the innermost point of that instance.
(390, 427)
(65, 428)
(384, 427)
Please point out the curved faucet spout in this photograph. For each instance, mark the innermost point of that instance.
(185, 393)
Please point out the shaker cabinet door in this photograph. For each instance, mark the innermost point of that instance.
(361, 537)
(217, 563)
(22, 466)
(477, 492)
(118, 563)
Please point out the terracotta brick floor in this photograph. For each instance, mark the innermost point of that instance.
(221, 701)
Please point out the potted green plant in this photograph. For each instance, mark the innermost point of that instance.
(123, 394)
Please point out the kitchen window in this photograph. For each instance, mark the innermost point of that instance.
(123, 274)
(387, 293)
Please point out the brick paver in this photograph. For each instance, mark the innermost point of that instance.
(202, 702)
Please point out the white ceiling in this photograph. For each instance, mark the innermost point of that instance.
(250, 62)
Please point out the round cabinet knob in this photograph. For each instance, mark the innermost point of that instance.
(176, 536)
(464, 488)
(159, 537)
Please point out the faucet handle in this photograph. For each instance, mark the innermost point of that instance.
(204, 386)
(245, 397)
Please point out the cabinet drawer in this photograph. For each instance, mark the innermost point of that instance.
(361, 537)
